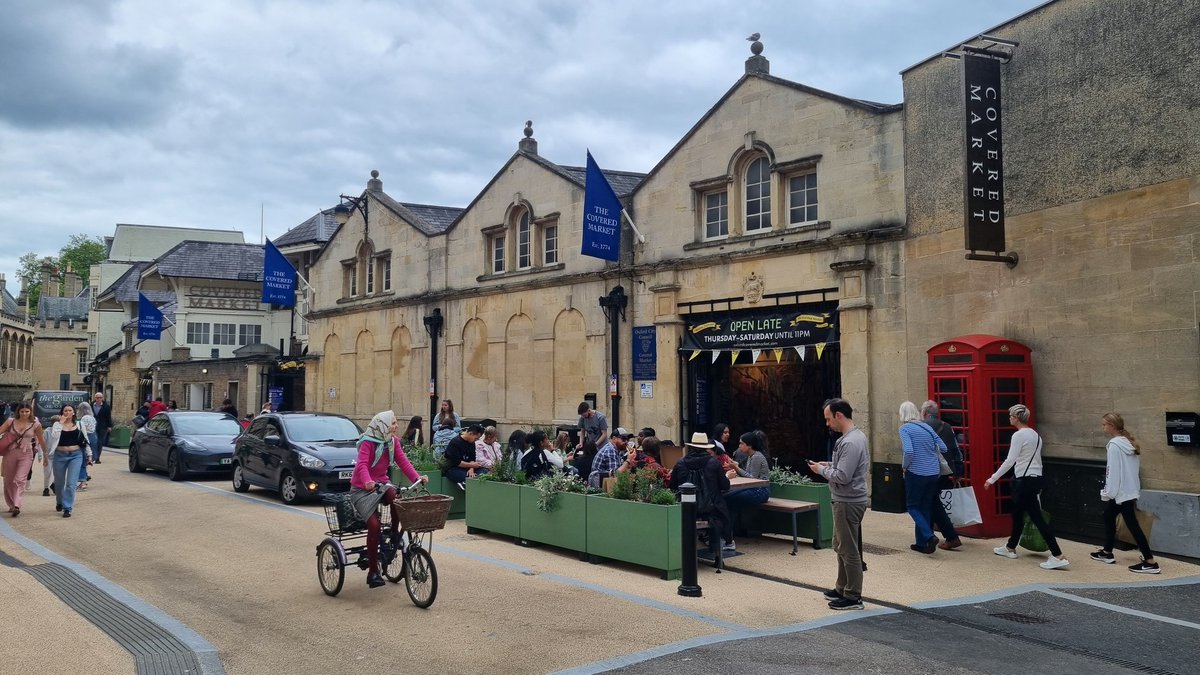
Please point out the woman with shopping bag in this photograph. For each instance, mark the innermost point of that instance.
(923, 450)
(1025, 460)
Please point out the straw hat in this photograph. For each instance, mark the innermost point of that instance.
(699, 440)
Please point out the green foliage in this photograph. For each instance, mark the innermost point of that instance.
(662, 496)
(554, 483)
(80, 253)
(638, 486)
(785, 476)
(420, 455)
(623, 486)
(505, 471)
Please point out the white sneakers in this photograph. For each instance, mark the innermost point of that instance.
(1053, 563)
(1003, 552)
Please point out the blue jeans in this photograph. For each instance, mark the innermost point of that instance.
(920, 492)
(66, 464)
(83, 474)
(457, 475)
(736, 501)
(101, 441)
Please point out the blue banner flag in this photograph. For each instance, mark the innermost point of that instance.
(601, 215)
(279, 278)
(150, 319)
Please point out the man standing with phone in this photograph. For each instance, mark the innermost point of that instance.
(847, 476)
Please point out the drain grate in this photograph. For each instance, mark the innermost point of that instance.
(878, 550)
(1017, 617)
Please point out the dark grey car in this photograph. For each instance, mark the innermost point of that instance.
(297, 454)
(182, 442)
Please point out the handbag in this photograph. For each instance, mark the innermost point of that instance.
(1031, 537)
(944, 466)
(962, 506)
(1019, 482)
(8, 440)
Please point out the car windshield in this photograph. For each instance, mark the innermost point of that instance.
(199, 425)
(314, 429)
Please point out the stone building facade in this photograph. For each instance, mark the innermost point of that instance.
(16, 347)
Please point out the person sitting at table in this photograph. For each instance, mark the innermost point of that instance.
(609, 457)
(697, 466)
(460, 460)
(487, 449)
(539, 458)
(582, 459)
(728, 465)
(753, 445)
(645, 456)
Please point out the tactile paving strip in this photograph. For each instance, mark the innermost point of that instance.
(155, 651)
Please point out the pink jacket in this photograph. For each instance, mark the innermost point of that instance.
(365, 473)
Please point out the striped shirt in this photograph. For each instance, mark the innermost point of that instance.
(921, 448)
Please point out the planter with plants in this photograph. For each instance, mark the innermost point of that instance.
(638, 523)
(554, 511)
(788, 484)
(495, 500)
(423, 461)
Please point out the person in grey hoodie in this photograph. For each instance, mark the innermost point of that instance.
(1122, 486)
(847, 476)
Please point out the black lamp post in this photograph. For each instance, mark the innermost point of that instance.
(341, 212)
(433, 326)
(614, 305)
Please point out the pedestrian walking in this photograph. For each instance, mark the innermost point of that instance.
(1122, 487)
(104, 424)
(1025, 460)
(847, 476)
(69, 445)
(87, 422)
(46, 457)
(22, 433)
(922, 474)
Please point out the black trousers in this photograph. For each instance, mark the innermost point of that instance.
(1128, 511)
(1025, 501)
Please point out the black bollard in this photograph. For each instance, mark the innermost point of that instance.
(688, 586)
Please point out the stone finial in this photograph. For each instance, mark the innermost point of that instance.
(529, 143)
(375, 185)
(757, 63)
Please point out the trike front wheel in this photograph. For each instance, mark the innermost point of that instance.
(420, 577)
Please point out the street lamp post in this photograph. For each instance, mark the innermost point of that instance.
(433, 326)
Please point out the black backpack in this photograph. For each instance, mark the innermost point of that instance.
(535, 464)
(705, 504)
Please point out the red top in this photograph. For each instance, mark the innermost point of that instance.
(157, 407)
(365, 473)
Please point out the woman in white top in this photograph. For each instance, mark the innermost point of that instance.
(1025, 459)
(87, 422)
(1122, 487)
(487, 449)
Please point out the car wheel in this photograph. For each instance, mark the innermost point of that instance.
(289, 489)
(239, 480)
(135, 464)
(175, 466)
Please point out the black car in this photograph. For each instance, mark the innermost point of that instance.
(182, 442)
(297, 454)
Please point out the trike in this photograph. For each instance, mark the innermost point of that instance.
(408, 558)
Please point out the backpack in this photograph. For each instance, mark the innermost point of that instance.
(535, 464)
(705, 504)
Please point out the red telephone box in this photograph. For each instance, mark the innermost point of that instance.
(975, 379)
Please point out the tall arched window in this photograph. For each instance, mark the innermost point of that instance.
(758, 195)
(524, 241)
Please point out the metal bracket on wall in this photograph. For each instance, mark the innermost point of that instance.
(1010, 259)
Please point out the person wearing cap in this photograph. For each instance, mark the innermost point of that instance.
(460, 456)
(593, 425)
(609, 457)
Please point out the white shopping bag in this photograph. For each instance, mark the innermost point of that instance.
(961, 506)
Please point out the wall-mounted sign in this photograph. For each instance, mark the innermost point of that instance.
(776, 327)
(984, 155)
(647, 389)
(218, 297)
(645, 353)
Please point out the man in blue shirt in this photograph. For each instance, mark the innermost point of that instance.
(609, 457)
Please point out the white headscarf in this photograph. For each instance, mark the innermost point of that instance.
(380, 428)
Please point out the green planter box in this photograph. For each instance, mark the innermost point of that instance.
(635, 532)
(494, 506)
(781, 523)
(119, 437)
(565, 526)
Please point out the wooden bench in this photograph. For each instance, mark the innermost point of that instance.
(793, 507)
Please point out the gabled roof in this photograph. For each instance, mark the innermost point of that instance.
(8, 304)
(64, 309)
(622, 182)
(316, 230)
(211, 260)
(869, 106)
(430, 220)
(125, 288)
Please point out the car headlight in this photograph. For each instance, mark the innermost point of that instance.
(310, 462)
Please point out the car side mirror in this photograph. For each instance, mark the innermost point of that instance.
(273, 440)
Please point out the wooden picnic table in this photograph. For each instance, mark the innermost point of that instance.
(740, 483)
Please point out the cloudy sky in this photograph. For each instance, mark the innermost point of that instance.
(238, 113)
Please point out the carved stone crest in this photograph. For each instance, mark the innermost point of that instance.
(752, 290)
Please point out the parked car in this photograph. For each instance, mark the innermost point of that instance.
(182, 442)
(300, 455)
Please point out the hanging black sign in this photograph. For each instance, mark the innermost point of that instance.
(985, 155)
(769, 328)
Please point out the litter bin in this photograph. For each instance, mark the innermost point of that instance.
(887, 488)
(119, 437)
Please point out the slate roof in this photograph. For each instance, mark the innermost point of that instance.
(430, 220)
(316, 230)
(125, 288)
(622, 182)
(9, 304)
(212, 260)
(63, 309)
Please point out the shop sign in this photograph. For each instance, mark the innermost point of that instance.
(776, 327)
(984, 155)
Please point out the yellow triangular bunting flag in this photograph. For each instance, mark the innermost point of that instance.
(820, 349)
(695, 353)
(778, 355)
(733, 359)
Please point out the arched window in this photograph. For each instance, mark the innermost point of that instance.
(758, 195)
(524, 241)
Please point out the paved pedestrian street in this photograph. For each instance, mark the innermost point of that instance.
(153, 576)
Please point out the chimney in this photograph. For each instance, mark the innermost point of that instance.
(375, 185)
(72, 282)
(529, 143)
(50, 287)
(3, 285)
(757, 64)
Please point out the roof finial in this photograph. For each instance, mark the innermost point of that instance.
(757, 63)
(375, 185)
(529, 143)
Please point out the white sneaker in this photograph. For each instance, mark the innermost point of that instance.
(1003, 552)
(1053, 563)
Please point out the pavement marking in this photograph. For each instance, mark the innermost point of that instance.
(511, 566)
(1123, 610)
(1033, 588)
(119, 613)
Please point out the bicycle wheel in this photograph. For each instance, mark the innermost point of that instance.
(330, 571)
(392, 561)
(420, 577)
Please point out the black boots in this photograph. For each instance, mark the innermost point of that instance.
(374, 579)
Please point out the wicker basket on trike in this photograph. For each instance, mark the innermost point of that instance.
(423, 513)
